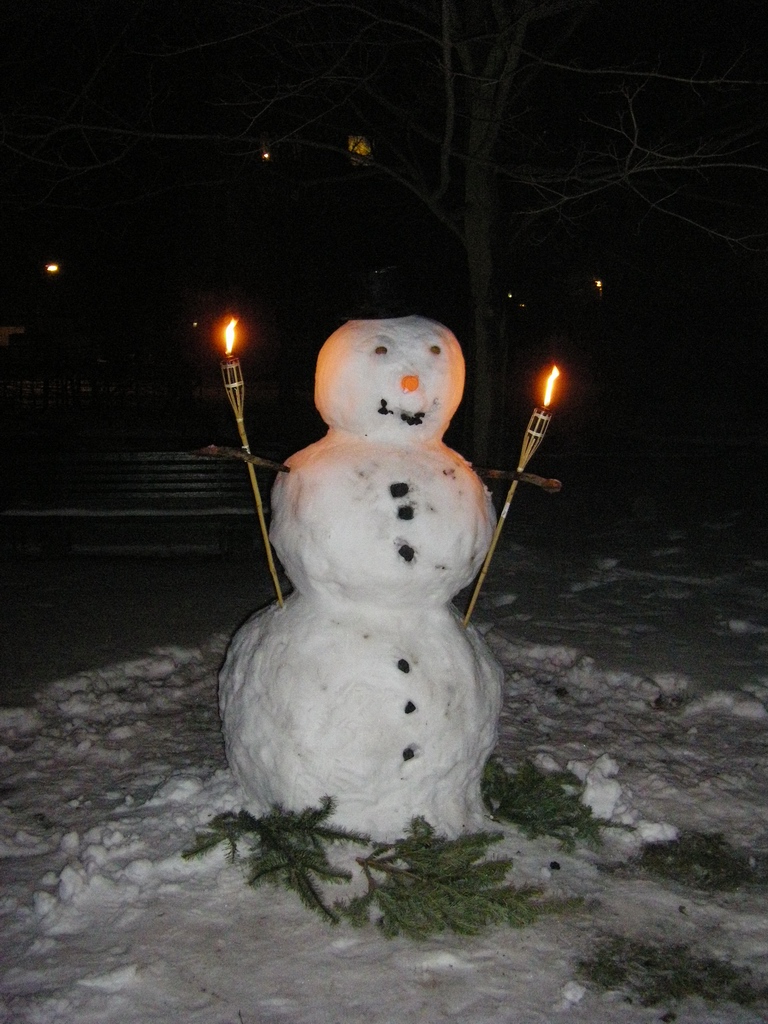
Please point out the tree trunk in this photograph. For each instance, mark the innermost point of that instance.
(485, 364)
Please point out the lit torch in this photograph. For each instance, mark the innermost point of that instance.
(232, 373)
(534, 435)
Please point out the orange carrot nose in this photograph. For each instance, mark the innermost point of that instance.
(409, 383)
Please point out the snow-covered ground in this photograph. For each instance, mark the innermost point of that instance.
(635, 644)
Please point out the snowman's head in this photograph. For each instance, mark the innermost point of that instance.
(390, 380)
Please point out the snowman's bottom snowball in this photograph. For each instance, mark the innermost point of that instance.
(391, 714)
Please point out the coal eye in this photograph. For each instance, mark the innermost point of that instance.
(381, 350)
(435, 349)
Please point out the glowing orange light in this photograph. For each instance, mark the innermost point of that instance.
(359, 149)
(229, 336)
(409, 383)
(550, 386)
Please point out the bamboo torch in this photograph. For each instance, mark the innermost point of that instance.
(232, 373)
(534, 435)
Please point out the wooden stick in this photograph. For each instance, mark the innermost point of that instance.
(534, 435)
(222, 452)
(232, 375)
(546, 483)
(264, 532)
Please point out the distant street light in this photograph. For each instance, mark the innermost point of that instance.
(51, 268)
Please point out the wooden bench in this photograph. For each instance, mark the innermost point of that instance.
(143, 503)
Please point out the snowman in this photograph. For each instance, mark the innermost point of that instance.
(365, 686)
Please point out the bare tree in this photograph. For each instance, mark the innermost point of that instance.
(496, 117)
(504, 119)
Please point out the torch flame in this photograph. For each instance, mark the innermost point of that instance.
(550, 386)
(229, 336)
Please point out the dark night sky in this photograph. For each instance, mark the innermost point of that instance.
(147, 252)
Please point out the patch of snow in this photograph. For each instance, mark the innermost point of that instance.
(108, 777)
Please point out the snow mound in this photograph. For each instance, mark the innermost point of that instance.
(105, 923)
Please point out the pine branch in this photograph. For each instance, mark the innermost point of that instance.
(425, 883)
(419, 885)
(540, 804)
(226, 828)
(285, 847)
(292, 851)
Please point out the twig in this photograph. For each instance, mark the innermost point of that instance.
(222, 452)
(546, 483)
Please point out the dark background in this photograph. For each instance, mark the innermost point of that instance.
(171, 236)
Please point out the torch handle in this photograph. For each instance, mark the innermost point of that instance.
(489, 556)
(534, 435)
(235, 388)
(260, 512)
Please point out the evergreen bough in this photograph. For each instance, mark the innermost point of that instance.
(425, 883)
(665, 973)
(287, 847)
(421, 884)
(540, 804)
(705, 861)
